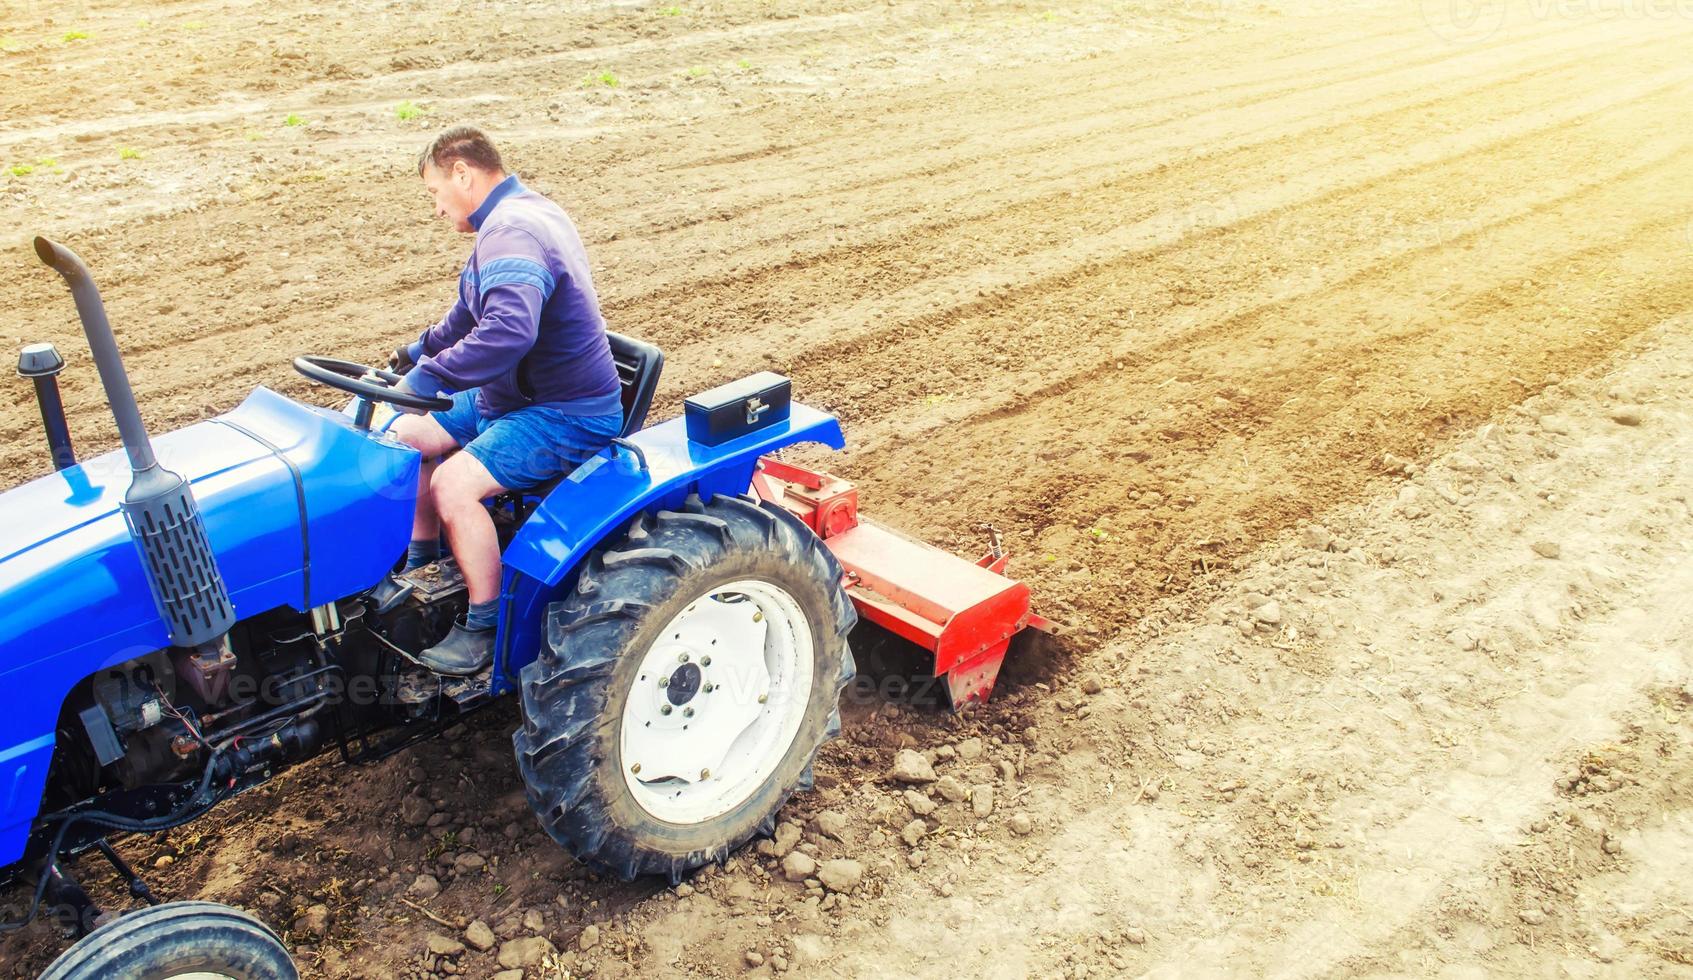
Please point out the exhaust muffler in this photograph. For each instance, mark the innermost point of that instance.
(159, 505)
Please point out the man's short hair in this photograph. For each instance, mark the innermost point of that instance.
(465, 143)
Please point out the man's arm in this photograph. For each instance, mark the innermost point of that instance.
(449, 331)
(514, 284)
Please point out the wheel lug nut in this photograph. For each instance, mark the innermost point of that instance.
(664, 682)
(705, 773)
(664, 709)
(636, 768)
(705, 661)
(687, 712)
(758, 617)
(682, 659)
(762, 698)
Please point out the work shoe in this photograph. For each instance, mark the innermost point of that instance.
(389, 593)
(462, 653)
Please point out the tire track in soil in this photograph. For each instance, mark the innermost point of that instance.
(1345, 806)
(1092, 262)
(886, 265)
(1190, 458)
(1046, 229)
(325, 93)
(1476, 796)
(1591, 899)
(188, 286)
(1278, 239)
(950, 178)
(961, 131)
(258, 369)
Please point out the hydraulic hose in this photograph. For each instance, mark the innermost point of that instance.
(100, 818)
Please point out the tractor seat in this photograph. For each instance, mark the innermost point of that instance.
(638, 366)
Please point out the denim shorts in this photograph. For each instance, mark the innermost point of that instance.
(528, 446)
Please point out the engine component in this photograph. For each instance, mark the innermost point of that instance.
(108, 748)
(134, 693)
(206, 669)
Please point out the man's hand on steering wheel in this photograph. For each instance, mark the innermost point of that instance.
(402, 386)
(401, 360)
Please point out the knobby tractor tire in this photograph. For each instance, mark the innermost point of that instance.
(174, 939)
(574, 694)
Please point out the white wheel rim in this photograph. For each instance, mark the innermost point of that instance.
(735, 667)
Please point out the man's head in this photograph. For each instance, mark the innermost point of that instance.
(459, 168)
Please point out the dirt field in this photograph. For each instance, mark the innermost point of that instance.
(1326, 366)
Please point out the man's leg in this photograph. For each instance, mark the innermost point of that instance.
(524, 448)
(424, 434)
(458, 488)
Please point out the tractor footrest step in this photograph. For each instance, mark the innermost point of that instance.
(420, 686)
(434, 580)
(468, 691)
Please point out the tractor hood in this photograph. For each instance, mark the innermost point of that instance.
(300, 507)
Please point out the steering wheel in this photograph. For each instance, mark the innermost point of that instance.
(368, 383)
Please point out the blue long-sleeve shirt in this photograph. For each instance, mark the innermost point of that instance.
(526, 328)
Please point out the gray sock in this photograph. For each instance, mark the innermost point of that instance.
(482, 615)
(421, 553)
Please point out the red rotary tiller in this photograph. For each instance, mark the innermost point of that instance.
(963, 612)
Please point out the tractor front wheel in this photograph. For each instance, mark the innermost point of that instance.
(686, 685)
(177, 939)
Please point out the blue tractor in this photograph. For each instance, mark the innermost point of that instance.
(189, 616)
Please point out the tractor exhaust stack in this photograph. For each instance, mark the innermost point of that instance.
(159, 505)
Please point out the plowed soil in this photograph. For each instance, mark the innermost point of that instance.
(1170, 293)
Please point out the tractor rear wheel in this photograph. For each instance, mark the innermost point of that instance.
(686, 685)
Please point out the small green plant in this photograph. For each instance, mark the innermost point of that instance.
(293, 119)
(128, 153)
(50, 164)
(194, 25)
(698, 71)
(499, 889)
(70, 36)
(10, 44)
(407, 111)
(22, 170)
(743, 64)
(1099, 534)
(253, 136)
(671, 11)
(605, 78)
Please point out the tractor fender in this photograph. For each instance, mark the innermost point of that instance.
(602, 495)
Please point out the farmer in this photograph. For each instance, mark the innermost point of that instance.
(523, 353)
